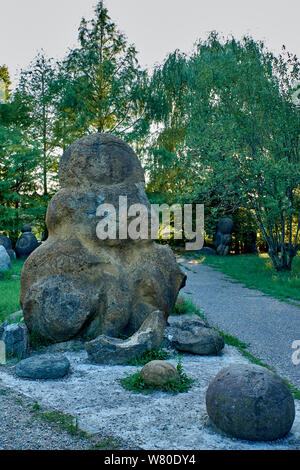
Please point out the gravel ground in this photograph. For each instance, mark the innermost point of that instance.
(269, 325)
(22, 429)
(158, 421)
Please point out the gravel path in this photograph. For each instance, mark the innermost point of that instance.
(21, 428)
(94, 395)
(269, 325)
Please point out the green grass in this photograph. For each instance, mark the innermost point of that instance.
(150, 355)
(257, 272)
(186, 306)
(10, 290)
(63, 421)
(135, 383)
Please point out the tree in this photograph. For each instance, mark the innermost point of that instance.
(243, 137)
(5, 82)
(36, 90)
(100, 84)
(19, 159)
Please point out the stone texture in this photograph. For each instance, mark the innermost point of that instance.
(5, 241)
(223, 236)
(75, 284)
(158, 373)
(250, 402)
(26, 244)
(26, 228)
(206, 250)
(194, 336)
(4, 259)
(12, 254)
(108, 350)
(16, 339)
(47, 366)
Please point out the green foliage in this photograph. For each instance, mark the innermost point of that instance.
(151, 355)
(100, 84)
(184, 306)
(10, 290)
(5, 79)
(135, 383)
(63, 421)
(240, 145)
(37, 90)
(36, 407)
(19, 157)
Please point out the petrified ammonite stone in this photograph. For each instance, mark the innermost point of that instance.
(75, 284)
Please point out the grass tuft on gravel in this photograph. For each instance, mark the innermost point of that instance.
(135, 383)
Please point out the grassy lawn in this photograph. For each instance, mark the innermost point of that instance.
(10, 290)
(256, 272)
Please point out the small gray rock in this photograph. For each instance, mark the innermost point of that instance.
(16, 339)
(250, 402)
(194, 336)
(47, 366)
(4, 259)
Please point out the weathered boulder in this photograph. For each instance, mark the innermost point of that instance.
(4, 260)
(26, 244)
(16, 339)
(26, 228)
(206, 250)
(75, 284)
(108, 350)
(159, 373)
(223, 236)
(5, 241)
(250, 402)
(47, 366)
(194, 336)
(12, 254)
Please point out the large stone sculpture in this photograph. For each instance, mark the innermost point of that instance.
(223, 236)
(75, 284)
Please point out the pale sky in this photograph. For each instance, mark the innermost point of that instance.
(156, 27)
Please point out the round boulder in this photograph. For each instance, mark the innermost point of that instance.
(47, 366)
(26, 228)
(249, 402)
(225, 225)
(158, 373)
(26, 244)
(4, 259)
(5, 241)
(195, 337)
